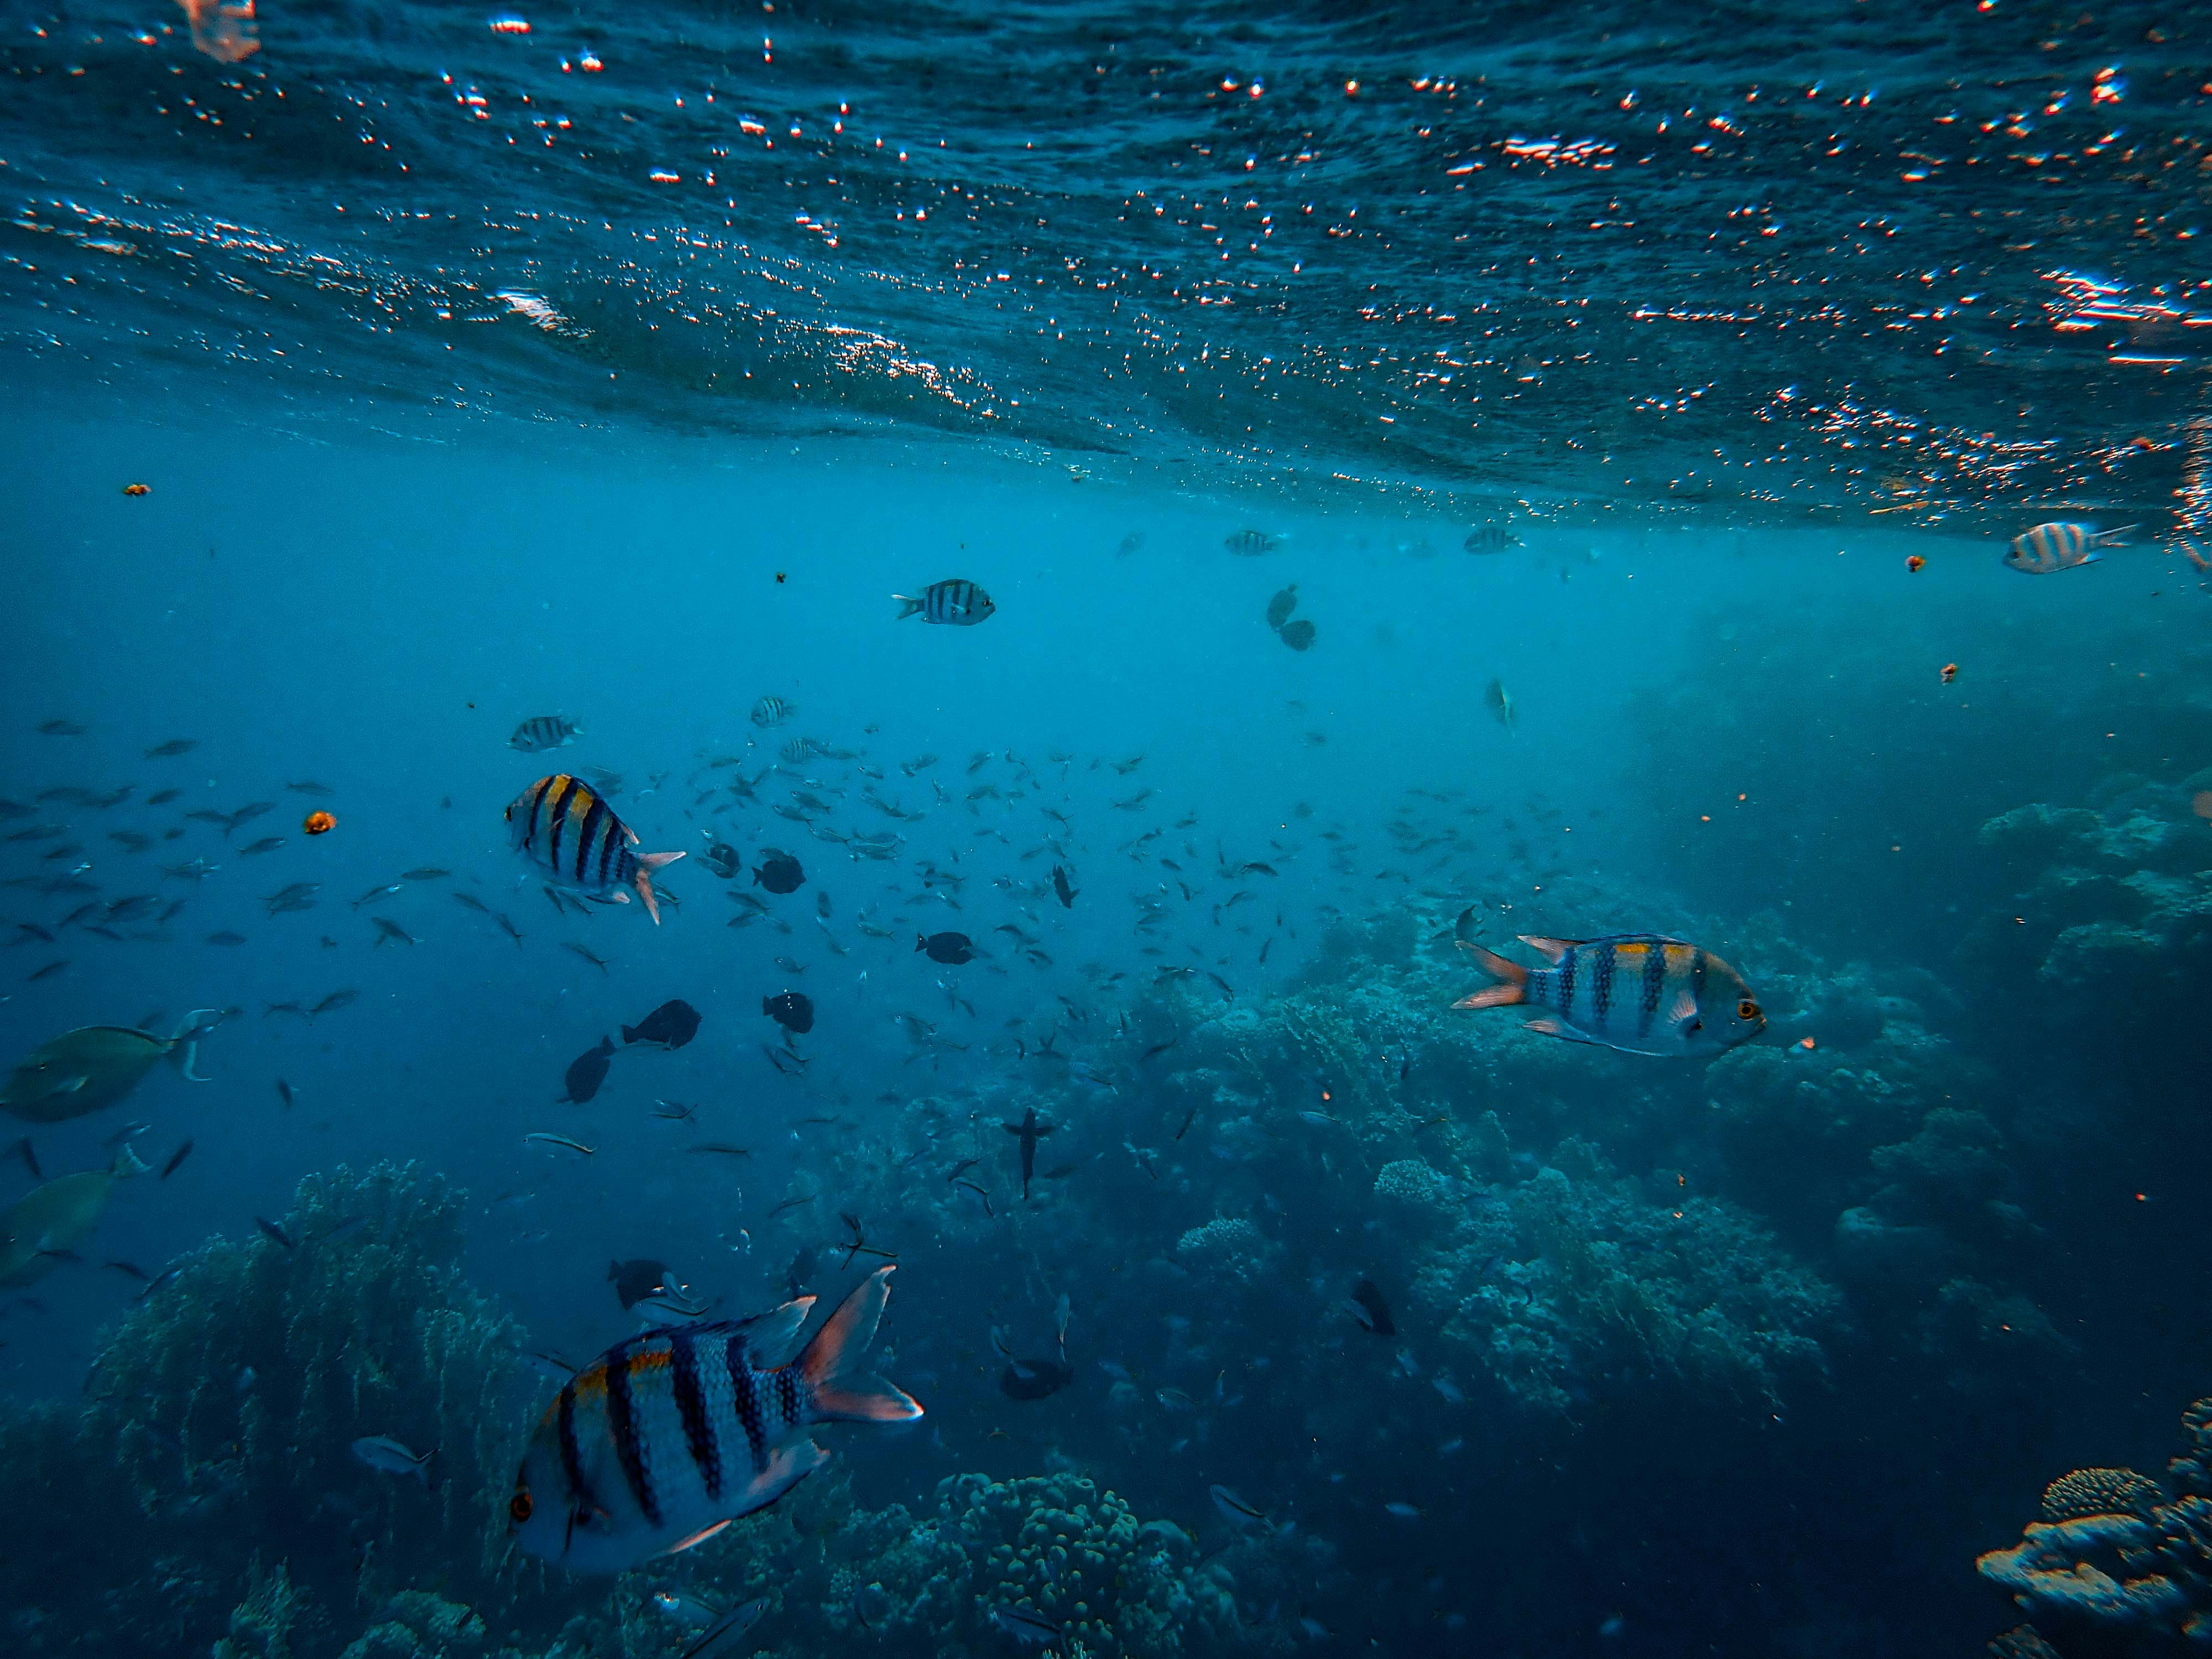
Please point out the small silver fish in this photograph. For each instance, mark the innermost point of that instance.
(387, 1457)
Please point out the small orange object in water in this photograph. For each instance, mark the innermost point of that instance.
(1916, 564)
(223, 29)
(137, 489)
(1805, 1043)
(2201, 802)
(319, 823)
(1950, 672)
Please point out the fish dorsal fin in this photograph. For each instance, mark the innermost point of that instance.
(1554, 950)
(771, 1339)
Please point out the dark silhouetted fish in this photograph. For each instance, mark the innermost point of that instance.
(586, 1072)
(1367, 1307)
(952, 949)
(779, 873)
(633, 1281)
(1036, 1379)
(1060, 887)
(1031, 1132)
(670, 1025)
(792, 1010)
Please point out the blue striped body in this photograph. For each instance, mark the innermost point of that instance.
(564, 828)
(663, 1439)
(958, 602)
(2053, 547)
(1643, 994)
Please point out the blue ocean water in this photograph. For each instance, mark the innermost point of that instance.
(1638, 414)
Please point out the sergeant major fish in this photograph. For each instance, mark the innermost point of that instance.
(563, 827)
(2053, 547)
(667, 1438)
(1642, 993)
(955, 601)
(544, 732)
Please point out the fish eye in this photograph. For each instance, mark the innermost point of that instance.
(519, 1507)
(1746, 1009)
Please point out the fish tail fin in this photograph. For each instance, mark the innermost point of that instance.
(840, 1391)
(908, 607)
(126, 1163)
(647, 863)
(184, 1046)
(1512, 979)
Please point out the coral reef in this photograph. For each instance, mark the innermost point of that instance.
(1058, 1547)
(219, 1416)
(2105, 927)
(2114, 1555)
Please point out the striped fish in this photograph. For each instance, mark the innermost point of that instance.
(1639, 992)
(546, 731)
(770, 712)
(799, 750)
(563, 826)
(2049, 547)
(1489, 538)
(665, 1439)
(1249, 543)
(960, 603)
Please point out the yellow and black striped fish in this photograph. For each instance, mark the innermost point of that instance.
(563, 826)
(2050, 547)
(665, 1439)
(1639, 992)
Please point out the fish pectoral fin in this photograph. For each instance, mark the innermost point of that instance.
(772, 1338)
(1554, 950)
(789, 1465)
(1682, 1012)
(698, 1537)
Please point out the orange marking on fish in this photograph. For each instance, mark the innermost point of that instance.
(592, 1381)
